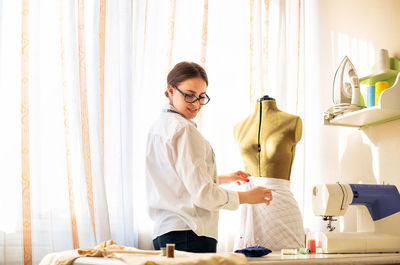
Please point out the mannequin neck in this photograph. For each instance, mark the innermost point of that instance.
(265, 97)
(268, 105)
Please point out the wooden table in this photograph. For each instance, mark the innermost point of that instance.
(277, 258)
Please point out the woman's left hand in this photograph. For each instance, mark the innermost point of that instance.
(239, 177)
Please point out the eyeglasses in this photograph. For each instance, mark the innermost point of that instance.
(204, 99)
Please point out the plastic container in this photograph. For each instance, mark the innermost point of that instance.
(311, 245)
(379, 87)
(370, 96)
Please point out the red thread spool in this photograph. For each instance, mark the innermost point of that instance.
(311, 245)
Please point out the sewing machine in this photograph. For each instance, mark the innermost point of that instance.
(378, 217)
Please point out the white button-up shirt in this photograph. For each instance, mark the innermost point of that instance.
(181, 179)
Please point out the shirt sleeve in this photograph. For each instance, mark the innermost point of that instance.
(188, 154)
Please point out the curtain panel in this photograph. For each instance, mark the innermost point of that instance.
(81, 83)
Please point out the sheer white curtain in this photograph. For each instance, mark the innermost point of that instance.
(57, 191)
(82, 81)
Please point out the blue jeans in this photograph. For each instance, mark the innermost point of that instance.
(186, 241)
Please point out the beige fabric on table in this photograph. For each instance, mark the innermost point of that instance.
(276, 226)
(134, 256)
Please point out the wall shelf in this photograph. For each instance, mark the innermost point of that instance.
(388, 109)
(388, 75)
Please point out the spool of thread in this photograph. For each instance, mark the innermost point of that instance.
(170, 250)
(311, 245)
(289, 251)
(163, 251)
(305, 251)
(370, 96)
(379, 87)
(382, 60)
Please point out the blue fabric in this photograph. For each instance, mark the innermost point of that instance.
(254, 251)
(186, 241)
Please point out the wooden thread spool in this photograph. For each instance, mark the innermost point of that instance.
(163, 252)
(170, 250)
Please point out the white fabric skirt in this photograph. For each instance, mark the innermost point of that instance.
(276, 226)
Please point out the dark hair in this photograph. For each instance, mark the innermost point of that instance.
(183, 71)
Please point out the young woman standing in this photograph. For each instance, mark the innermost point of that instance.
(183, 192)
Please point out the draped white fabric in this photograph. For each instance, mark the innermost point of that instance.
(140, 48)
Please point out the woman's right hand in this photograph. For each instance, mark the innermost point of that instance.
(256, 195)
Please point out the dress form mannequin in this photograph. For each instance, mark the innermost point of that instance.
(267, 141)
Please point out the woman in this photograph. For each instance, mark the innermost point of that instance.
(182, 185)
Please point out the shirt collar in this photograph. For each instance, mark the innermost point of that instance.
(172, 109)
